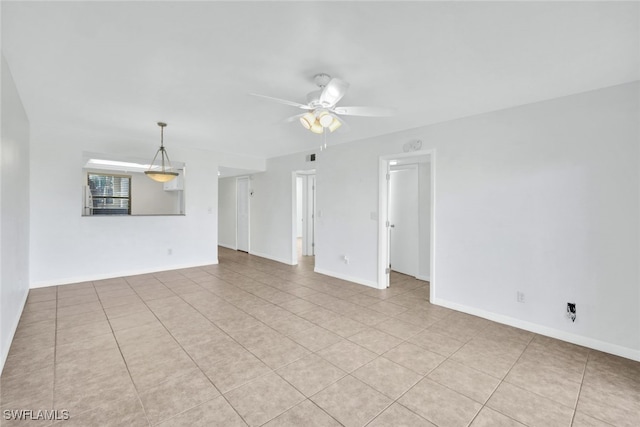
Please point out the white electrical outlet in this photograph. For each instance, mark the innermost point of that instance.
(520, 296)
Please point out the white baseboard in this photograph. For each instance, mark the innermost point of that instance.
(425, 278)
(80, 279)
(14, 328)
(592, 343)
(341, 276)
(224, 245)
(272, 258)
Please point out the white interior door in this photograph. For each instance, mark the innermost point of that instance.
(242, 212)
(403, 219)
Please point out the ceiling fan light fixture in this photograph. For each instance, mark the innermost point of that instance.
(316, 127)
(165, 172)
(335, 124)
(325, 119)
(321, 110)
(307, 120)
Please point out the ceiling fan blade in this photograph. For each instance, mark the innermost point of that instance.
(333, 92)
(365, 111)
(283, 101)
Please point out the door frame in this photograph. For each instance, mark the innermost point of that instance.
(248, 178)
(383, 217)
(308, 210)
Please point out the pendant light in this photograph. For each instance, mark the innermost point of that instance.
(166, 173)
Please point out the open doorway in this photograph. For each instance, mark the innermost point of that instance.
(234, 208)
(406, 219)
(304, 217)
(242, 214)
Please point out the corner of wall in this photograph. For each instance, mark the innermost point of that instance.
(8, 339)
(15, 210)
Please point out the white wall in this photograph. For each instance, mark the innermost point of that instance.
(227, 215)
(347, 206)
(542, 199)
(149, 197)
(272, 209)
(66, 247)
(14, 209)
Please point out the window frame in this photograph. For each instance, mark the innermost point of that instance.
(114, 175)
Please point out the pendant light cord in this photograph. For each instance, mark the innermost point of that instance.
(162, 145)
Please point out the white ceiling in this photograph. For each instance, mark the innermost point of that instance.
(120, 67)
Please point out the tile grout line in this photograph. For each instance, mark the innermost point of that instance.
(347, 339)
(350, 374)
(502, 380)
(546, 397)
(397, 400)
(55, 354)
(584, 372)
(274, 371)
(361, 292)
(186, 352)
(115, 338)
(377, 356)
(285, 275)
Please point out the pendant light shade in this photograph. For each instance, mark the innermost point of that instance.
(160, 176)
(162, 172)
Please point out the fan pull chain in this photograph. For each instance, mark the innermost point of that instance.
(324, 138)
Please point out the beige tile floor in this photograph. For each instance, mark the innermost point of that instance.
(254, 342)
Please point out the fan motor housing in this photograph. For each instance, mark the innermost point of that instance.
(322, 79)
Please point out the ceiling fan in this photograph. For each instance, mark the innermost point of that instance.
(322, 112)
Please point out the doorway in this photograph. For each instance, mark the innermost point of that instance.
(403, 219)
(304, 217)
(406, 219)
(242, 214)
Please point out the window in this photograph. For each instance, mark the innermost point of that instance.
(109, 194)
(117, 186)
